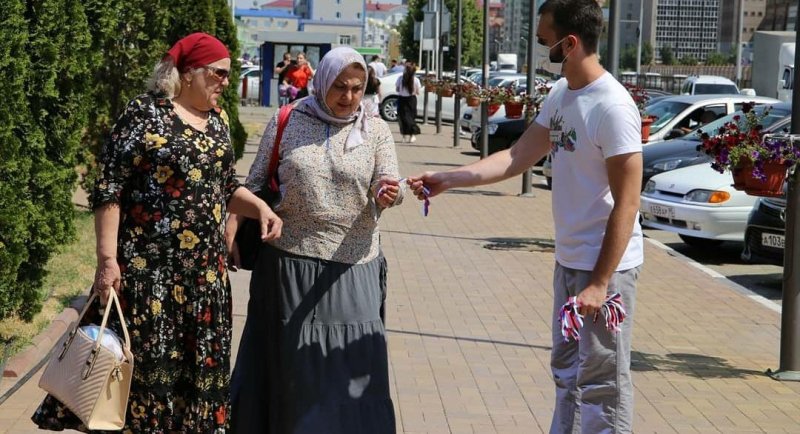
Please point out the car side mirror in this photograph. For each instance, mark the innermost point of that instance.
(782, 84)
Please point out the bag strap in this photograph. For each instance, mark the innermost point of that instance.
(272, 172)
(112, 298)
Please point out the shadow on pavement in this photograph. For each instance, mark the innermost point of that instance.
(728, 252)
(477, 192)
(692, 365)
(462, 338)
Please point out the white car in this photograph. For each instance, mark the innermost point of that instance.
(388, 104)
(698, 203)
(708, 84)
(252, 91)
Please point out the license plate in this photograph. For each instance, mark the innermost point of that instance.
(663, 211)
(773, 240)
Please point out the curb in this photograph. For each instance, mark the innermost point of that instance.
(24, 364)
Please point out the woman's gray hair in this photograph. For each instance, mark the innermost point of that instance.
(165, 79)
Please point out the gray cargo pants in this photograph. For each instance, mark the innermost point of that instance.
(594, 390)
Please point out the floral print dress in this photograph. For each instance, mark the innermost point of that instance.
(172, 183)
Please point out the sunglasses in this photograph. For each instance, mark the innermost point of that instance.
(219, 73)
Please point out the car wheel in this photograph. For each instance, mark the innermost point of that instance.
(388, 109)
(700, 243)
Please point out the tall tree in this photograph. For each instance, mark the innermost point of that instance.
(471, 34)
(16, 207)
(667, 55)
(57, 90)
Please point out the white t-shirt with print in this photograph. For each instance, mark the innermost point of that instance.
(588, 126)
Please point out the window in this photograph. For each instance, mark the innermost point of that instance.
(358, 15)
(338, 14)
(344, 39)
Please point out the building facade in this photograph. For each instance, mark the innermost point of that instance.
(779, 15)
(688, 27)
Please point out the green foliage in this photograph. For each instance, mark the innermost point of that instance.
(688, 60)
(667, 55)
(716, 59)
(471, 36)
(647, 53)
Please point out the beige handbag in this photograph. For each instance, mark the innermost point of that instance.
(87, 377)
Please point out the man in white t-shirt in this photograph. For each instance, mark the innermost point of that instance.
(592, 127)
(378, 66)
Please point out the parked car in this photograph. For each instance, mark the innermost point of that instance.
(681, 152)
(388, 105)
(698, 203)
(677, 115)
(708, 84)
(250, 91)
(503, 133)
(765, 235)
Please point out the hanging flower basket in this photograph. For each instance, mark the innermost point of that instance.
(770, 184)
(514, 109)
(473, 101)
(741, 174)
(647, 121)
(446, 92)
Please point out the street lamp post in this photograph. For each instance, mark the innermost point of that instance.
(531, 90)
(457, 101)
(485, 82)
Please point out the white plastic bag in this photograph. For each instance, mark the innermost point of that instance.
(110, 339)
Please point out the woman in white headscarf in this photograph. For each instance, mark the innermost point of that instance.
(313, 354)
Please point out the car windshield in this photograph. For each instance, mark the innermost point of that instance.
(700, 89)
(775, 114)
(664, 112)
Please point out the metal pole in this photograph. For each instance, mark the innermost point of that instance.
(439, 63)
(613, 38)
(421, 40)
(526, 175)
(485, 82)
(457, 101)
(639, 38)
(425, 93)
(789, 369)
(739, 31)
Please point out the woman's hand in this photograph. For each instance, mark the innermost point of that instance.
(106, 277)
(435, 183)
(387, 191)
(271, 224)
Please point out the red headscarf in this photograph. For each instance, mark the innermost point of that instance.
(196, 50)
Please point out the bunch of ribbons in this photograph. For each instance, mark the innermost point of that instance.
(426, 203)
(613, 311)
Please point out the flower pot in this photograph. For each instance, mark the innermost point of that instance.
(646, 123)
(446, 93)
(514, 109)
(741, 174)
(430, 88)
(772, 185)
(473, 101)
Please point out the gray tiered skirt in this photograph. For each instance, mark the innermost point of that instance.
(313, 356)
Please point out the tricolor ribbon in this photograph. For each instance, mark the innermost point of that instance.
(426, 203)
(613, 311)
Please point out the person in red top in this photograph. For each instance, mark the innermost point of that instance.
(299, 75)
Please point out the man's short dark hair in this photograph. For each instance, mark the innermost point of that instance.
(582, 18)
(374, 58)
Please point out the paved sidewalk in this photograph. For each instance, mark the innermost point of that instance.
(469, 322)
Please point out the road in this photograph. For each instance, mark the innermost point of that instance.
(765, 280)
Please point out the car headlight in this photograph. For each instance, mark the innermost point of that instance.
(707, 196)
(492, 128)
(650, 187)
(665, 166)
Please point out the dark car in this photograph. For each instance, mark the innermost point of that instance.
(765, 237)
(682, 151)
(503, 133)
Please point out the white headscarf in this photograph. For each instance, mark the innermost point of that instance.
(331, 65)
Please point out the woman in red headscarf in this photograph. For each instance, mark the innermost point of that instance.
(166, 182)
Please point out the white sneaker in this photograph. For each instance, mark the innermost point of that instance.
(413, 139)
(405, 139)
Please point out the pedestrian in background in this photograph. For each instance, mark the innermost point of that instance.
(298, 75)
(378, 66)
(592, 128)
(313, 356)
(408, 87)
(166, 182)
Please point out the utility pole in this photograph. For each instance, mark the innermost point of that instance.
(531, 90)
(640, 28)
(439, 63)
(485, 82)
(613, 37)
(457, 101)
(789, 369)
(739, 45)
